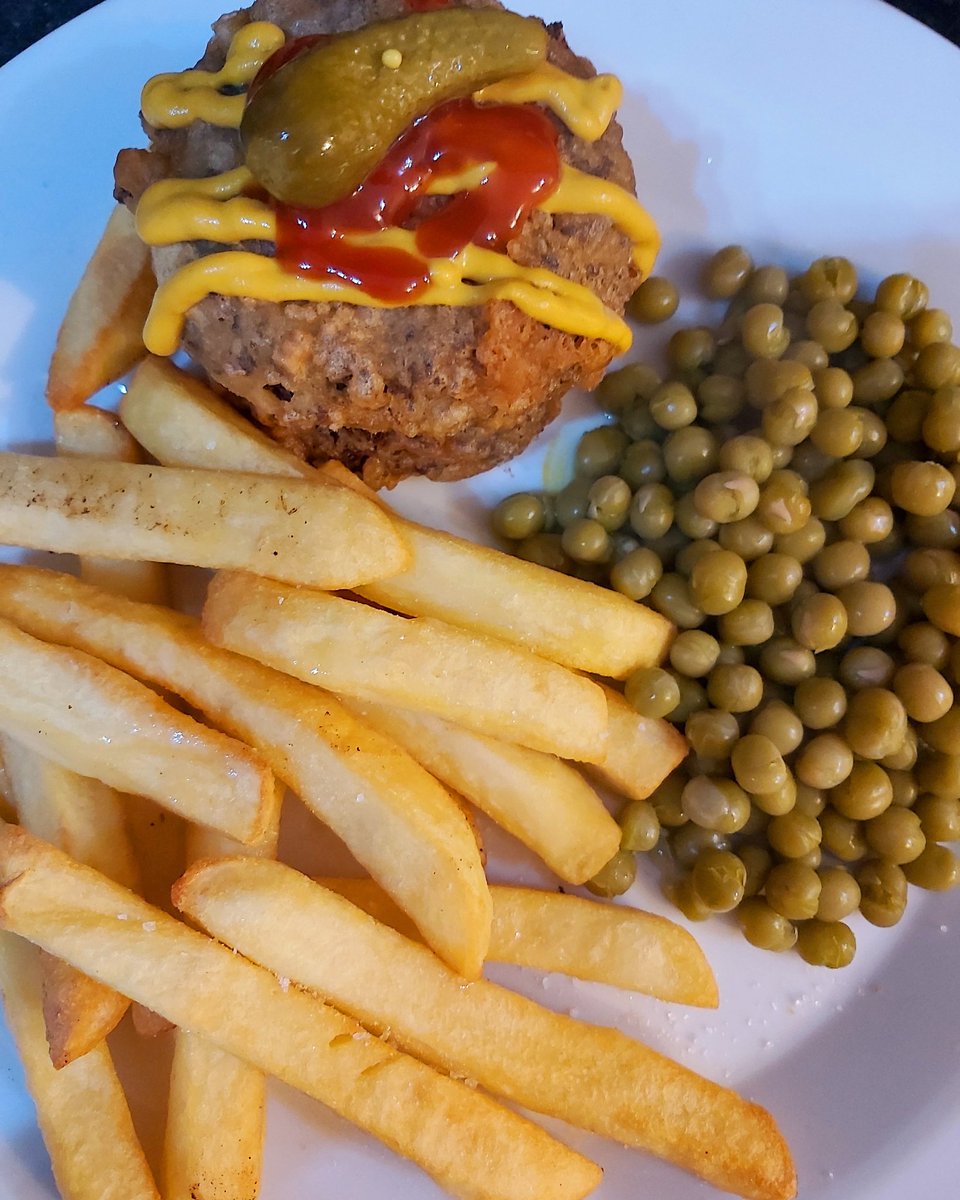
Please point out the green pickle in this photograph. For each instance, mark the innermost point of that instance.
(315, 128)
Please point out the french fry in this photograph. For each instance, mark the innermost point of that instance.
(158, 838)
(289, 529)
(101, 335)
(7, 811)
(97, 721)
(397, 820)
(213, 1142)
(641, 751)
(467, 1142)
(548, 931)
(467, 678)
(91, 432)
(592, 1077)
(84, 818)
(183, 423)
(81, 1110)
(566, 620)
(78, 1012)
(543, 802)
(80, 815)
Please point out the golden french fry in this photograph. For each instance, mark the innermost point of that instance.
(566, 620)
(213, 1141)
(641, 752)
(467, 1142)
(606, 943)
(183, 423)
(90, 432)
(79, 1013)
(467, 678)
(81, 1110)
(398, 821)
(97, 721)
(549, 931)
(213, 1144)
(84, 818)
(101, 335)
(592, 1077)
(290, 529)
(7, 811)
(80, 815)
(544, 803)
(157, 838)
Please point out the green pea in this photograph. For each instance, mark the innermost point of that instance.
(608, 501)
(765, 928)
(618, 389)
(587, 541)
(936, 869)
(599, 451)
(655, 300)
(793, 890)
(725, 274)
(637, 573)
(826, 944)
(839, 894)
(616, 877)
(652, 692)
(639, 827)
(883, 891)
(719, 878)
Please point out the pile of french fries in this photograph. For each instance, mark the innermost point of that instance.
(390, 676)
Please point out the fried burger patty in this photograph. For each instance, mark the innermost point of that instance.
(421, 390)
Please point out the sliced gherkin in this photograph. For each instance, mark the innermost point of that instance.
(316, 127)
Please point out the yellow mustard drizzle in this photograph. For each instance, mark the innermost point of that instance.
(177, 99)
(546, 297)
(579, 192)
(212, 209)
(217, 209)
(585, 106)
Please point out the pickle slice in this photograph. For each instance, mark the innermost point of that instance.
(317, 126)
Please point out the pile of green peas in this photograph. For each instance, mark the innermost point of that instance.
(788, 496)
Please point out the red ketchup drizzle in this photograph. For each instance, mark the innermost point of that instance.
(520, 139)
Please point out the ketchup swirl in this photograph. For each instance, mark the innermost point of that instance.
(520, 139)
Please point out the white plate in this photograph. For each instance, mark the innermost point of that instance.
(799, 128)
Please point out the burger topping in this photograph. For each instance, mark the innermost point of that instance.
(515, 150)
(493, 155)
(175, 100)
(319, 125)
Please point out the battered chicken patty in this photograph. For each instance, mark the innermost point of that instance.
(392, 392)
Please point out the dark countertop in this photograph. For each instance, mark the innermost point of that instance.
(26, 21)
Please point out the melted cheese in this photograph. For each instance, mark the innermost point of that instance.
(217, 209)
